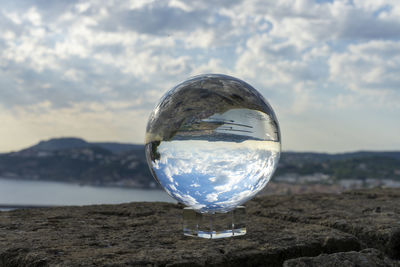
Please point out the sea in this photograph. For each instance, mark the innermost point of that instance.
(25, 193)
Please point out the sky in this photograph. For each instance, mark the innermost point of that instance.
(96, 69)
(214, 176)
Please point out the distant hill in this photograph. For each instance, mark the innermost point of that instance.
(79, 161)
(72, 142)
(354, 165)
(313, 156)
(120, 147)
(108, 163)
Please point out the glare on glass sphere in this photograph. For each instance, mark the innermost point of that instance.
(213, 142)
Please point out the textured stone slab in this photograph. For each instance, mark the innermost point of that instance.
(373, 216)
(279, 228)
(365, 258)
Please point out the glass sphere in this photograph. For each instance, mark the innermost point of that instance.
(213, 142)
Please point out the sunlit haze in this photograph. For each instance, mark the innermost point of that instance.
(96, 69)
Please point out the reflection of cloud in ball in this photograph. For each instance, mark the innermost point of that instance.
(213, 142)
(189, 200)
(212, 197)
(215, 176)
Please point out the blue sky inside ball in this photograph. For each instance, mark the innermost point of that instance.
(215, 176)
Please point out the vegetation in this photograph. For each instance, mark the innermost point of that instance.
(361, 165)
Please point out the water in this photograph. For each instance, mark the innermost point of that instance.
(41, 193)
(218, 175)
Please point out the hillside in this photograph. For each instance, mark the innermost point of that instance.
(55, 144)
(355, 165)
(78, 161)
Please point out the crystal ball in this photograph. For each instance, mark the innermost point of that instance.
(213, 142)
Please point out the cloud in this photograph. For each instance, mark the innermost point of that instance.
(24, 126)
(219, 171)
(369, 69)
(306, 22)
(304, 57)
(155, 19)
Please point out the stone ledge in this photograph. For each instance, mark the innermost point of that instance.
(282, 230)
(368, 257)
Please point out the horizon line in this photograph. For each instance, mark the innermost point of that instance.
(143, 144)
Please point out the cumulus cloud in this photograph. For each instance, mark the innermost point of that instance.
(374, 65)
(304, 56)
(213, 174)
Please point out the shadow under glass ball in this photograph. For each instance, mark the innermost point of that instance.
(213, 142)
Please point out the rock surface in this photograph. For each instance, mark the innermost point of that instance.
(365, 258)
(358, 228)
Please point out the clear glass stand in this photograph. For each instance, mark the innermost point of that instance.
(217, 225)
